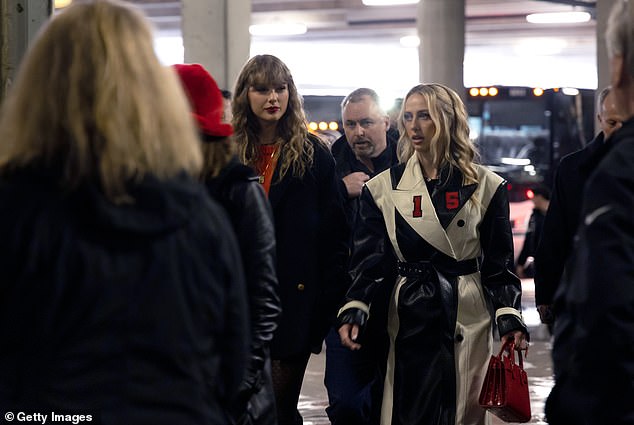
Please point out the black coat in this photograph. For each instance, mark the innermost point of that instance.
(239, 192)
(562, 220)
(311, 234)
(593, 351)
(347, 163)
(532, 237)
(133, 313)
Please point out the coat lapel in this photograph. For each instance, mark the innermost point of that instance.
(278, 188)
(414, 203)
(448, 199)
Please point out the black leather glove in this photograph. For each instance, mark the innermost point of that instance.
(353, 316)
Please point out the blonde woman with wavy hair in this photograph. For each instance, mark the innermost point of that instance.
(442, 222)
(297, 172)
(450, 143)
(122, 294)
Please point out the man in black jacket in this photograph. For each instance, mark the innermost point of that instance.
(367, 147)
(541, 200)
(562, 218)
(593, 350)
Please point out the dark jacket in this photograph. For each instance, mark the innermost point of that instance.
(593, 351)
(239, 192)
(562, 220)
(347, 163)
(133, 313)
(532, 237)
(311, 235)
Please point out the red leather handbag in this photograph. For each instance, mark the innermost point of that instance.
(505, 389)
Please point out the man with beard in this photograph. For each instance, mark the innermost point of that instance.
(353, 378)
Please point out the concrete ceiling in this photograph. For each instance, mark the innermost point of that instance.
(489, 22)
(493, 27)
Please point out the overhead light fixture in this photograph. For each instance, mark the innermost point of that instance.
(558, 18)
(278, 29)
(59, 4)
(410, 41)
(388, 2)
(570, 91)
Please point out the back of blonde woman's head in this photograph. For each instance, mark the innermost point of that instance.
(92, 101)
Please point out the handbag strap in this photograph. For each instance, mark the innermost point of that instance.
(509, 345)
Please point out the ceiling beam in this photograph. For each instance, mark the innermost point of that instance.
(580, 3)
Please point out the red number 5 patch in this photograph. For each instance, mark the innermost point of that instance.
(452, 201)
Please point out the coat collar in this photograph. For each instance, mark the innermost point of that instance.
(438, 208)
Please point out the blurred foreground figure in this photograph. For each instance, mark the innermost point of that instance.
(122, 295)
(593, 351)
(236, 187)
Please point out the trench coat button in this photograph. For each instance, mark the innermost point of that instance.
(459, 338)
(300, 287)
(460, 223)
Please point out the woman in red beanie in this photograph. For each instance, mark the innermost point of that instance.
(237, 189)
(298, 173)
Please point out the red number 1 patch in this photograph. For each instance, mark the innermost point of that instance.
(418, 209)
(452, 201)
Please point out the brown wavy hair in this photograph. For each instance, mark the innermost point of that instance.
(297, 153)
(92, 101)
(450, 144)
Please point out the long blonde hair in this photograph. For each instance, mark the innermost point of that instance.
(216, 155)
(450, 143)
(268, 70)
(92, 100)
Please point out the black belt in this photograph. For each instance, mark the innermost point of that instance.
(447, 267)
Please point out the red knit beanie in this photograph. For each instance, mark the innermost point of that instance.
(205, 98)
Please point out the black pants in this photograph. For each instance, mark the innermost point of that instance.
(352, 383)
(288, 375)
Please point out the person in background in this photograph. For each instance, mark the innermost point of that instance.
(297, 171)
(352, 378)
(593, 348)
(237, 189)
(443, 222)
(562, 218)
(226, 106)
(122, 295)
(525, 260)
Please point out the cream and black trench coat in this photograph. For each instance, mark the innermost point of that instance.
(452, 248)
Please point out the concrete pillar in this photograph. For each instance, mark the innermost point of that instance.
(19, 23)
(216, 35)
(441, 28)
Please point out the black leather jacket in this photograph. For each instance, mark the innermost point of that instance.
(238, 191)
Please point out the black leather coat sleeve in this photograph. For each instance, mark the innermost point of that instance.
(256, 236)
(239, 192)
(502, 286)
(372, 259)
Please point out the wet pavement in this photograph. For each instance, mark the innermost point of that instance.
(538, 366)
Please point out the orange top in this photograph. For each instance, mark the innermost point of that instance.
(266, 163)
